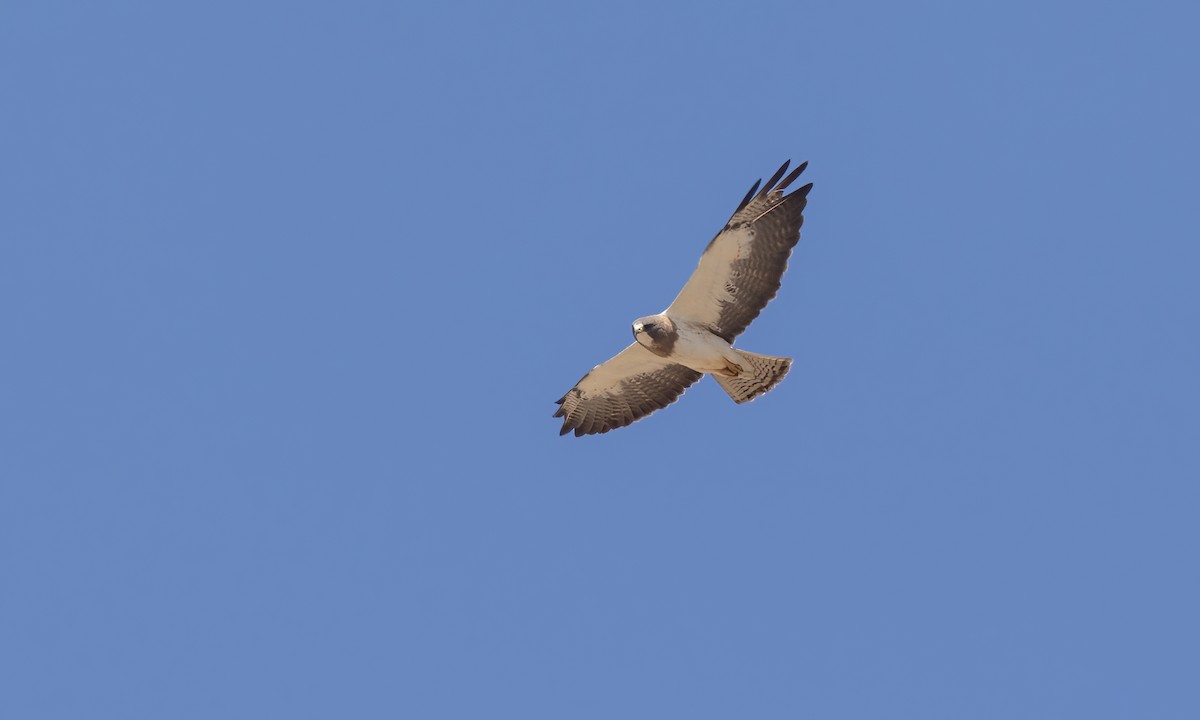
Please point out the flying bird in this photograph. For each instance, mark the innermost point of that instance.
(738, 274)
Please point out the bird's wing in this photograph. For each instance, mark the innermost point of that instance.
(627, 387)
(740, 269)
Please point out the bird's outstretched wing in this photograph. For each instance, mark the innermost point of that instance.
(627, 387)
(740, 269)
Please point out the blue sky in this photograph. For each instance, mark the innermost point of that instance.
(288, 291)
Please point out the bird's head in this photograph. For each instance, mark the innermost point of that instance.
(655, 332)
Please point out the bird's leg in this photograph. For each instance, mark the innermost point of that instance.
(731, 369)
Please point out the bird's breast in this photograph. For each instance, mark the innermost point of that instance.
(699, 349)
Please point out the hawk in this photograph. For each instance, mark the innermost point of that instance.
(738, 274)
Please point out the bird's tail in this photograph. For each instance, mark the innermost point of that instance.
(759, 374)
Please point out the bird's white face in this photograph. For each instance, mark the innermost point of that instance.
(656, 333)
(639, 334)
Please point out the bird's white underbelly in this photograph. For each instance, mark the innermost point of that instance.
(700, 350)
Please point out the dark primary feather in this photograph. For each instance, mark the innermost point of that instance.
(771, 183)
(775, 178)
(753, 189)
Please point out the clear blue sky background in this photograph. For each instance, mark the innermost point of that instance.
(288, 291)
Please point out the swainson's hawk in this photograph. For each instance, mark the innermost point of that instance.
(738, 275)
